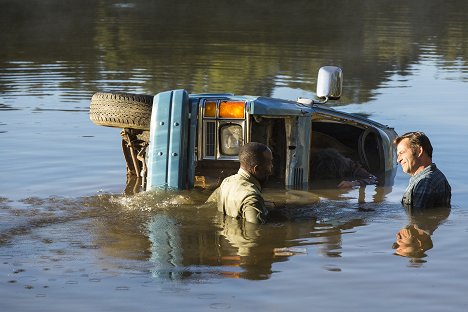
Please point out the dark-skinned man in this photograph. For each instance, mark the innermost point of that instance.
(239, 195)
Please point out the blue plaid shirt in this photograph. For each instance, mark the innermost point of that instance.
(428, 188)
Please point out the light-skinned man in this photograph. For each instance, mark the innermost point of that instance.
(428, 187)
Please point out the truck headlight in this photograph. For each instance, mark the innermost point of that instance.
(231, 139)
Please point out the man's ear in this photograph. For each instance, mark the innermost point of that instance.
(255, 169)
(420, 151)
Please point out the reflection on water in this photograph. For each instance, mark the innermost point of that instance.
(64, 228)
(183, 241)
(212, 47)
(161, 237)
(414, 239)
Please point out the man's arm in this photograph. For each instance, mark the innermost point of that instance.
(369, 180)
(253, 209)
(360, 177)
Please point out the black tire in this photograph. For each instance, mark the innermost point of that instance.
(121, 110)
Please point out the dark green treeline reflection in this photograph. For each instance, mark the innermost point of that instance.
(245, 47)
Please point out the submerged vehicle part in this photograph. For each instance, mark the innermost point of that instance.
(180, 140)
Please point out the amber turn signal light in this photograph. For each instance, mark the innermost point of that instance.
(231, 109)
(210, 109)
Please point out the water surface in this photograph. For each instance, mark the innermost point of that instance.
(69, 237)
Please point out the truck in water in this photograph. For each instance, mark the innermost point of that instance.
(182, 141)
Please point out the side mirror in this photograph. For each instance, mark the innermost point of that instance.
(329, 82)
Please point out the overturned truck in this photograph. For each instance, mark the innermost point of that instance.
(180, 140)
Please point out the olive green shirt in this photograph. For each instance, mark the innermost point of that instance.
(239, 196)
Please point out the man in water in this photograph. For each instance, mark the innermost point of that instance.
(428, 187)
(239, 195)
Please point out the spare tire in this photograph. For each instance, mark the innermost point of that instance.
(121, 110)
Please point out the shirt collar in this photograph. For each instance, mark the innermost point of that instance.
(429, 168)
(249, 177)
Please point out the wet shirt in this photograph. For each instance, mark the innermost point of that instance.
(239, 196)
(428, 188)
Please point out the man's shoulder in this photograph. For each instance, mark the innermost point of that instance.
(431, 178)
(435, 175)
(239, 183)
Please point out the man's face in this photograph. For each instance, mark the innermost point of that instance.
(407, 158)
(265, 169)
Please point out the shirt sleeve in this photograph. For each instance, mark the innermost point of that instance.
(253, 209)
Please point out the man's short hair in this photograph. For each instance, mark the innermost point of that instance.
(252, 154)
(416, 139)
